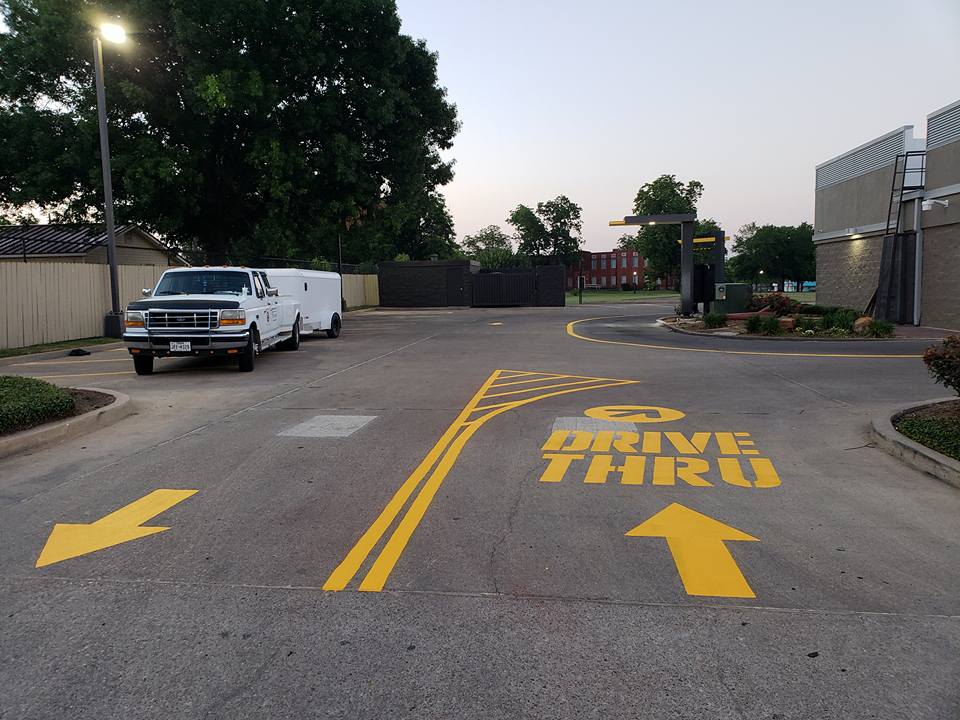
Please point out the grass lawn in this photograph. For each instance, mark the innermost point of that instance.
(810, 298)
(65, 345)
(619, 296)
(25, 402)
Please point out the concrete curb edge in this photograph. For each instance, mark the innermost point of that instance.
(781, 338)
(50, 354)
(917, 456)
(52, 433)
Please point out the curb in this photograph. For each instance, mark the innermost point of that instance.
(781, 338)
(92, 349)
(913, 453)
(52, 433)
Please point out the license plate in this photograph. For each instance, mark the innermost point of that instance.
(179, 347)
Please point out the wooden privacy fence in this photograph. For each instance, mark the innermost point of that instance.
(361, 290)
(47, 302)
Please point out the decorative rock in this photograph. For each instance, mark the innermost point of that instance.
(861, 324)
(788, 323)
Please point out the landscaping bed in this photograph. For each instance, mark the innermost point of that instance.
(28, 402)
(777, 315)
(935, 426)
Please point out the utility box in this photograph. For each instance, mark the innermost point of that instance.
(732, 297)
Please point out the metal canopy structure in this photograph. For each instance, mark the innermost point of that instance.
(688, 224)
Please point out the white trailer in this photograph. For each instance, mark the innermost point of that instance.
(319, 295)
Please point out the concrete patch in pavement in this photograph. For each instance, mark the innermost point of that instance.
(327, 426)
(52, 433)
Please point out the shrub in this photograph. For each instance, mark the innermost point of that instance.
(819, 309)
(841, 319)
(943, 362)
(25, 402)
(807, 324)
(715, 320)
(770, 325)
(779, 303)
(879, 329)
(754, 323)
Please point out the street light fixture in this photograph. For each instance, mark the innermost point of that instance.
(111, 32)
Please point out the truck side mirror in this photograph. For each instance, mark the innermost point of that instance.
(273, 292)
(146, 292)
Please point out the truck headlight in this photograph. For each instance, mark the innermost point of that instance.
(233, 317)
(134, 318)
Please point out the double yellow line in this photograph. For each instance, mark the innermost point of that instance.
(435, 467)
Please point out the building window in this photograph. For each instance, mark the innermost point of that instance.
(593, 263)
(623, 261)
(636, 261)
(603, 281)
(623, 279)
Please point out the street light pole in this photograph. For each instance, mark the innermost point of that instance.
(113, 326)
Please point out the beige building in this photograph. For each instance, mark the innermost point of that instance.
(84, 243)
(887, 225)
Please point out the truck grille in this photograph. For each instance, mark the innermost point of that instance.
(181, 319)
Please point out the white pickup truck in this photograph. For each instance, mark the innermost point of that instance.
(210, 311)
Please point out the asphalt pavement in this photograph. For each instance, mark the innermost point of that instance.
(490, 513)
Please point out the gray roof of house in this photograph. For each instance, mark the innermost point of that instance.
(78, 239)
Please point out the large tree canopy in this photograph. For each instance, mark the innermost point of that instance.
(491, 247)
(781, 252)
(658, 244)
(237, 127)
(552, 230)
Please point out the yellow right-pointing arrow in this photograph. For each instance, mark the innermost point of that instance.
(696, 542)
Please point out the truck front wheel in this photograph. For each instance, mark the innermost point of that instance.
(248, 356)
(143, 364)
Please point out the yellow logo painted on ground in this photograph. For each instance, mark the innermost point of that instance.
(655, 457)
(634, 413)
(503, 391)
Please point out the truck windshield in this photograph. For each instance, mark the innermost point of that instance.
(204, 282)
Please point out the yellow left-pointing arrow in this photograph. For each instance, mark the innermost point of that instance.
(68, 540)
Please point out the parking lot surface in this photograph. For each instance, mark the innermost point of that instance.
(486, 513)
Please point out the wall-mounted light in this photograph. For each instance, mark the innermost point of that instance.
(928, 204)
(856, 236)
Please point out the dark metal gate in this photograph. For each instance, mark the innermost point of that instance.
(497, 289)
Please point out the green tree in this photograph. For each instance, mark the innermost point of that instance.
(658, 244)
(531, 234)
(491, 247)
(237, 128)
(552, 230)
(782, 252)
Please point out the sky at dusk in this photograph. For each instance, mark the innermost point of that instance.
(592, 99)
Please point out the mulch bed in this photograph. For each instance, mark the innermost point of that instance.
(945, 410)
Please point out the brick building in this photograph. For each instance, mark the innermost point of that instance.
(612, 269)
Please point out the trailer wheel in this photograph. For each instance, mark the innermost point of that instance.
(334, 330)
(293, 343)
(143, 364)
(248, 356)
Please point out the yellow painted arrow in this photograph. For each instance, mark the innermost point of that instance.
(68, 540)
(696, 542)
